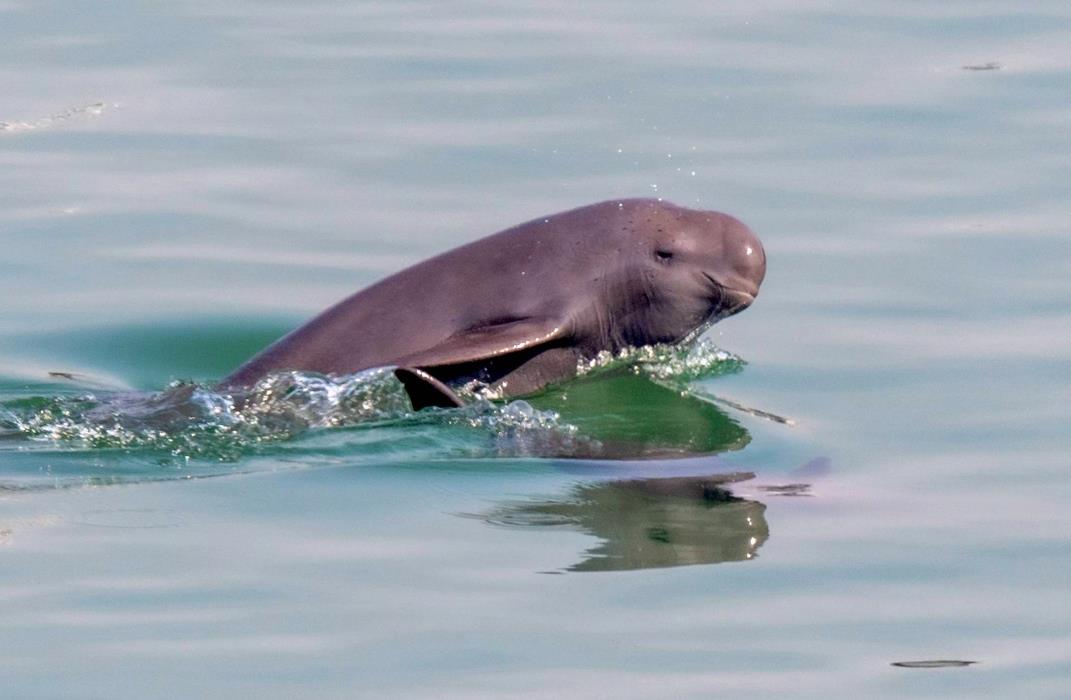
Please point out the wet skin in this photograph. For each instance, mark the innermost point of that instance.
(518, 309)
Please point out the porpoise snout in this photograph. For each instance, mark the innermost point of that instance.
(747, 259)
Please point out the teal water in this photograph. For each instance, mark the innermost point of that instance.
(182, 183)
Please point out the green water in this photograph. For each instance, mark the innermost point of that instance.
(180, 184)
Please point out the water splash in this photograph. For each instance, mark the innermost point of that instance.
(676, 364)
(518, 429)
(188, 421)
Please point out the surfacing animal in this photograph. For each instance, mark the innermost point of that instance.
(519, 309)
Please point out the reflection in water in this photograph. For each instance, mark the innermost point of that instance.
(651, 523)
(645, 522)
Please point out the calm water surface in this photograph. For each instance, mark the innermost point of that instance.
(181, 183)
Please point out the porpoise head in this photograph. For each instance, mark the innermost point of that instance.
(684, 270)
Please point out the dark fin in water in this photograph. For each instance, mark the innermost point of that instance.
(425, 390)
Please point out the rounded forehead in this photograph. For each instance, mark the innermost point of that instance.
(665, 222)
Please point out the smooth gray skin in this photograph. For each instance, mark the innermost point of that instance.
(520, 308)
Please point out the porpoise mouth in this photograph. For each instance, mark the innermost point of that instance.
(734, 301)
(726, 300)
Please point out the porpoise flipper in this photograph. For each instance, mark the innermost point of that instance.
(425, 390)
(488, 341)
(425, 374)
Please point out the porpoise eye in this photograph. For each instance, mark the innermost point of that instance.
(664, 255)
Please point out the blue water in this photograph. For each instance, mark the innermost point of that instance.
(182, 183)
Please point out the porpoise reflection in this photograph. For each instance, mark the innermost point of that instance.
(650, 522)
